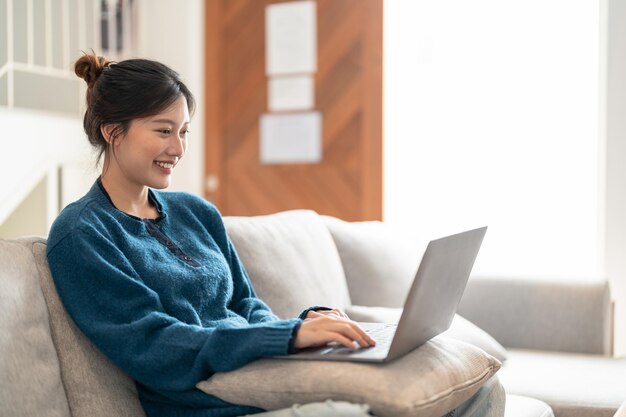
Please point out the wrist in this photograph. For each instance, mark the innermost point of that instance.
(292, 341)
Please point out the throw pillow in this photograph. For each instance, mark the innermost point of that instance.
(428, 381)
(379, 262)
(291, 259)
(465, 330)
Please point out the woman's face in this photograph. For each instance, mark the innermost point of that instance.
(147, 154)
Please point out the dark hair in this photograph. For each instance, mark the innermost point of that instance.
(118, 92)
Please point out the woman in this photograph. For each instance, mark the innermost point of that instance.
(152, 278)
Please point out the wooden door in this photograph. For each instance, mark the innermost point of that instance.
(347, 183)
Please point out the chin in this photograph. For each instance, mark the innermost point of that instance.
(160, 185)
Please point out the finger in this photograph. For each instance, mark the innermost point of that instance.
(370, 340)
(342, 340)
(346, 328)
(313, 314)
(366, 335)
(340, 313)
(364, 338)
(354, 332)
(337, 313)
(325, 313)
(361, 336)
(333, 313)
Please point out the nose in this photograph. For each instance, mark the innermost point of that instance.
(177, 145)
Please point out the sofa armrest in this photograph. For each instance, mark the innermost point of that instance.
(570, 316)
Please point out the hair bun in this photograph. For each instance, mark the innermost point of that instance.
(89, 67)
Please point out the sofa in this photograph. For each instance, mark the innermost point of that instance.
(559, 365)
(556, 333)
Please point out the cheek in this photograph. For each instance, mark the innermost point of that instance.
(153, 149)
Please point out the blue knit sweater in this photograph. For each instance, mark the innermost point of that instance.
(167, 300)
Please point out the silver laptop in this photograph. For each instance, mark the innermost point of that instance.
(429, 308)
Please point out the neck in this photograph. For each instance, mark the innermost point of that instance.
(131, 198)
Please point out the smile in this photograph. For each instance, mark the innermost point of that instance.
(166, 165)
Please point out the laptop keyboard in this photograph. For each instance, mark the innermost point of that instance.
(383, 336)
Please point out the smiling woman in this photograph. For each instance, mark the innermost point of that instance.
(160, 289)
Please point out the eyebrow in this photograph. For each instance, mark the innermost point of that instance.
(166, 121)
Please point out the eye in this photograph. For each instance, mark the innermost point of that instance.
(164, 131)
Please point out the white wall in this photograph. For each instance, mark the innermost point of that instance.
(542, 156)
(172, 32)
(38, 142)
(28, 219)
(614, 158)
(491, 118)
(41, 126)
(35, 145)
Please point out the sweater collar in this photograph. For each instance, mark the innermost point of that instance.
(99, 189)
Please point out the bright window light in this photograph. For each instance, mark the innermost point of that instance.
(491, 118)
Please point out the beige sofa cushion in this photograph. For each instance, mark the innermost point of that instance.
(519, 406)
(95, 386)
(573, 384)
(429, 381)
(31, 381)
(379, 262)
(291, 259)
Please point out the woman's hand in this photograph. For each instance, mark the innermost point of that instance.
(323, 327)
(335, 312)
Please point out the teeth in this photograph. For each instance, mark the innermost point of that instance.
(164, 164)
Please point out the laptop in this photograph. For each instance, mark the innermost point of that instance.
(429, 308)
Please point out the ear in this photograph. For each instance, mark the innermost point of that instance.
(109, 132)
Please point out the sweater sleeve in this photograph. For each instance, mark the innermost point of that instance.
(125, 319)
(244, 301)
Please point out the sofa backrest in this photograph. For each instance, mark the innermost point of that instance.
(69, 376)
(31, 382)
(545, 314)
(291, 259)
